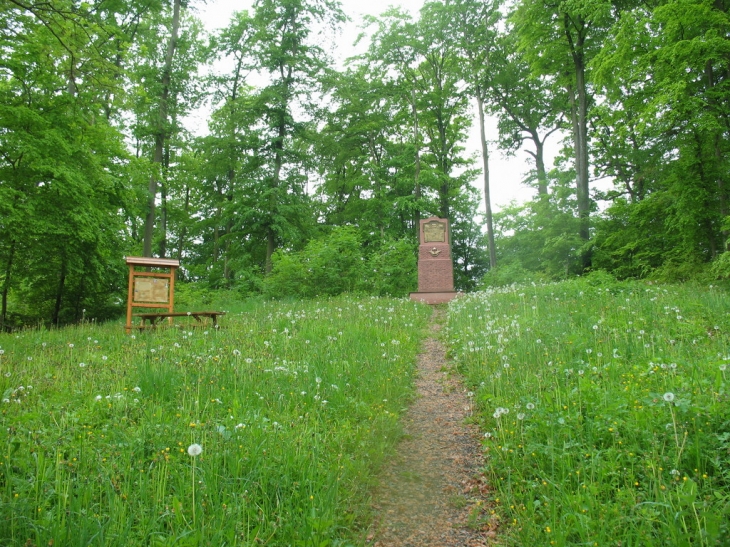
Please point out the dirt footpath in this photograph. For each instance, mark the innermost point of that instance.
(433, 492)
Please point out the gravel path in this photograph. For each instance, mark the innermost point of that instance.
(433, 492)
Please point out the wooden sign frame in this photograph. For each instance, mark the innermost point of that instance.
(150, 289)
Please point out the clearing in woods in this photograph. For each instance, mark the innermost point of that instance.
(433, 492)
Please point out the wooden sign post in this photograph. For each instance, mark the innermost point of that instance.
(151, 289)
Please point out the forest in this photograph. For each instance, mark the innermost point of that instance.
(311, 176)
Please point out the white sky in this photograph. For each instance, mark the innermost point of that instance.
(506, 173)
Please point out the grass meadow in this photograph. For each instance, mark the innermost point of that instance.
(266, 431)
(605, 410)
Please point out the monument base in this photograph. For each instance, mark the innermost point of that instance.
(434, 297)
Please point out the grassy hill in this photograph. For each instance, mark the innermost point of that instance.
(604, 410)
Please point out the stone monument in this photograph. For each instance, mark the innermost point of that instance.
(435, 267)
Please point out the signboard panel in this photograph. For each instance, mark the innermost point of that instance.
(151, 289)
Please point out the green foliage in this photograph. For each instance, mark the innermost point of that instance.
(94, 98)
(61, 234)
(601, 401)
(649, 239)
(337, 264)
(509, 274)
(469, 247)
(632, 239)
(392, 269)
(327, 266)
(540, 236)
(720, 268)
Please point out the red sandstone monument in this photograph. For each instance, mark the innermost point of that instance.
(435, 268)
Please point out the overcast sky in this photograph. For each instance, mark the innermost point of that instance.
(505, 173)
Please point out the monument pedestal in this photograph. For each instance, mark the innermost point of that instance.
(435, 267)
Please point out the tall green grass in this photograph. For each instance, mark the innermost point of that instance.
(294, 406)
(606, 410)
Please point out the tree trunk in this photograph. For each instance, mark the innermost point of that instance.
(270, 247)
(161, 133)
(59, 293)
(416, 170)
(584, 207)
(78, 310)
(721, 189)
(162, 249)
(275, 180)
(183, 230)
(6, 286)
(487, 194)
(579, 113)
(542, 185)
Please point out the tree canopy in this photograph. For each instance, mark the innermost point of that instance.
(308, 162)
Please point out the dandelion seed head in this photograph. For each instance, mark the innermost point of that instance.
(195, 450)
(669, 396)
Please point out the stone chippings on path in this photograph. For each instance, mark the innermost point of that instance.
(433, 492)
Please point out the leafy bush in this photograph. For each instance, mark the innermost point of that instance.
(328, 266)
(288, 275)
(720, 268)
(539, 236)
(392, 269)
(509, 274)
(337, 264)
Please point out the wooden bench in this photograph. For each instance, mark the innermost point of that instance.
(155, 318)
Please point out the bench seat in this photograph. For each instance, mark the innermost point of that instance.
(153, 319)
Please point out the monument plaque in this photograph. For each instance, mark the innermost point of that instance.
(435, 267)
(434, 232)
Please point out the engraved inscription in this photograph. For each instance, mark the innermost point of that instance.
(151, 289)
(434, 232)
